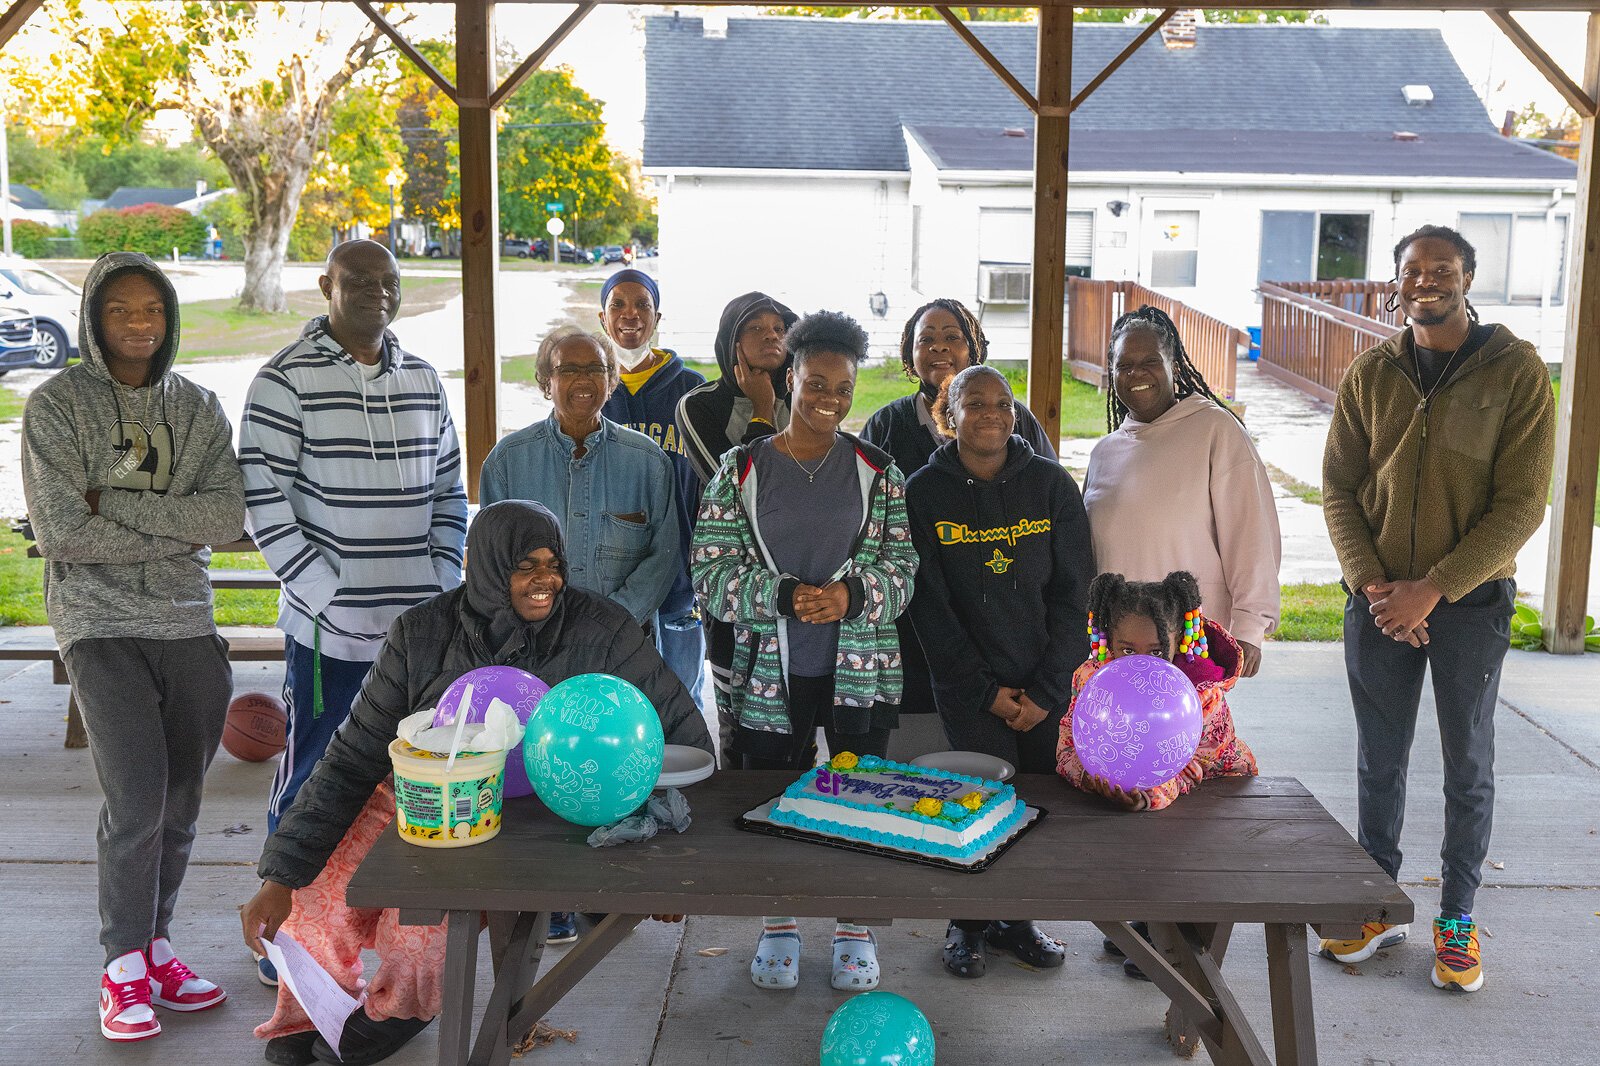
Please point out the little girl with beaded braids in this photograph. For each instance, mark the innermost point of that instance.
(1162, 618)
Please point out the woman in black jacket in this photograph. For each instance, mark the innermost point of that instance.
(514, 609)
(940, 339)
(999, 607)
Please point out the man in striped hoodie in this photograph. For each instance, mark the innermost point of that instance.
(352, 479)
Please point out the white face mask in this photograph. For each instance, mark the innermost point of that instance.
(633, 358)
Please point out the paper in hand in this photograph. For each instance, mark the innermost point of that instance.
(325, 1003)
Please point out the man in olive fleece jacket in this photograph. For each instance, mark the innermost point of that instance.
(1435, 474)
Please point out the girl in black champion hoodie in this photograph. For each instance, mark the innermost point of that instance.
(1000, 607)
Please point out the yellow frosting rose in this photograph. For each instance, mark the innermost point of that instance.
(929, 807)
(971, 801)
(844, 761)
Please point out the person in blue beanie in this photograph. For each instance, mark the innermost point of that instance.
(653, 380)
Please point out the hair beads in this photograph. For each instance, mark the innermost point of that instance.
(1098, 646)
(1193, 642)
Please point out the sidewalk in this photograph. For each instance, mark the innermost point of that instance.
(659, 1001)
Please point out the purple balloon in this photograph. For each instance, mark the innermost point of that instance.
(518, 689)
(1137, 722)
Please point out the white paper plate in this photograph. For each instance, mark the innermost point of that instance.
(971, 763)
(684, 765)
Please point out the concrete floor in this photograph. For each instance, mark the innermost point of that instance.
(659, 1001)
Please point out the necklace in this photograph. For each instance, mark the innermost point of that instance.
(811, 474)
(1444, 375)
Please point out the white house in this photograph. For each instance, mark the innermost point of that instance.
(28, 203)
(871, 166)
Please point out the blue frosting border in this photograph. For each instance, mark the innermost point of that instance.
(894, 840)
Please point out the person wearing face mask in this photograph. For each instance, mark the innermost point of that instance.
(515, 609)
(940, 340)
(653, 380)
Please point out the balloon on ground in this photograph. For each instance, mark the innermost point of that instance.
(593, 749)
(518, 689)
(878, 1029)
(1137, 722)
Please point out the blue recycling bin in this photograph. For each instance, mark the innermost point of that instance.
(1255, 343)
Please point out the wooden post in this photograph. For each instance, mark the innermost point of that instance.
(1566, 588)
(1053, 90)
(480, 230)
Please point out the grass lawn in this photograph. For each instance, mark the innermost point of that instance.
(22, 593)
(10, 405)
(1312, 612)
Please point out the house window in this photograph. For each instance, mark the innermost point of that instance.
(1513, 252)
(1175, 261)
(1080, 244)
(1313, 246)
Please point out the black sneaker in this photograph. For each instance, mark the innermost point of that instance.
(1111, 945)
(292, 1050)
(365, 1041)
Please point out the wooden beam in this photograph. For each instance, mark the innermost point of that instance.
(16, 16)
(480, 230)
(1566, 587)
(1281, 5)
(990, 60)
(406, 48)
(1581, 102)
(1049, 281)
(540, 54)
(1122, 57)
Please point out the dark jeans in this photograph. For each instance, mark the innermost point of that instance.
(154, 711)
(1467, 644)
(811, 706)
(308, 734)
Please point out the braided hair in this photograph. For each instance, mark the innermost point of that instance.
(971, 331)
(1113, 597)
(1186, 377)
(1463, 247)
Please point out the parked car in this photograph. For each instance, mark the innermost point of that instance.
(573, 254)
(19, 340)
(541, 248)
(516, 246)
(615, 253)
(433, 250)
(52, 300)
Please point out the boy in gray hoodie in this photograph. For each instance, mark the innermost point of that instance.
(129, 474)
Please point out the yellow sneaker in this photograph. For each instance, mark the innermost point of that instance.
(1456, 962)
(1374, 936)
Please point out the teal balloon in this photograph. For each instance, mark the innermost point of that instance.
(878, 1029)
(593, 749)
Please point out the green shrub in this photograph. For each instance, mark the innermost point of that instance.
(31, 239)
(153, 229)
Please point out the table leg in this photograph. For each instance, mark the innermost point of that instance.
(460, 973)
(582, 957)
(1289, 976)
(77, 736)
(1182, 1033)
(517, 942)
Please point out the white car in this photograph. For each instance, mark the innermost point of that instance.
(52, 300)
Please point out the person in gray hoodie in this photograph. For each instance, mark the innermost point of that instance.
(129, 474)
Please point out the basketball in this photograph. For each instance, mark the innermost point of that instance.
(255, 728)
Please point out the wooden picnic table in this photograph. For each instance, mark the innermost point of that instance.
(1239, 850)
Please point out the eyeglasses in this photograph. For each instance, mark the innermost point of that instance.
(581, 370)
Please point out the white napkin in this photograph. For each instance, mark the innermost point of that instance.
(499, 731)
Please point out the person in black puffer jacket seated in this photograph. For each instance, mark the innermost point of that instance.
(514, 609)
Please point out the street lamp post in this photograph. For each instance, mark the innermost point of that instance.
(393, 181)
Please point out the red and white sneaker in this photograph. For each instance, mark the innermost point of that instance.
(174, 986)
(125, 1012)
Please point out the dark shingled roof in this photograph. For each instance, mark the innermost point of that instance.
(134, 196)
(28, 199)
(833, 94)
(1444, 155)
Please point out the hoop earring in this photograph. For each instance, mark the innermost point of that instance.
(1193, 643)
(1099, 651)
(1392, 302)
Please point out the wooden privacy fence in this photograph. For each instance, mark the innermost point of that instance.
(1093, 306)
(1308, 342)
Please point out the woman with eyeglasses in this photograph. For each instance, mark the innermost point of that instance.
(516, 608)
(1177, 468)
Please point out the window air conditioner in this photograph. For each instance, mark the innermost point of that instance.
(1004, 284)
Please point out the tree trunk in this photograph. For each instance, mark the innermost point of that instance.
(266, 238)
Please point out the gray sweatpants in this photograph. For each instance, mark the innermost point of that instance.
(154, 711)
(1468, 640)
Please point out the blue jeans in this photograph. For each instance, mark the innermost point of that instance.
(681, 640)
(308, 733)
